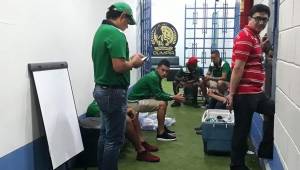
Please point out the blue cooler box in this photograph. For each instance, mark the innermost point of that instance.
(217, 128)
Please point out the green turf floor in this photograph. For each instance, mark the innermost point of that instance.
(184, 154)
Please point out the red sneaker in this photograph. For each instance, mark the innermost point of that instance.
(150, 148)
(147, 157)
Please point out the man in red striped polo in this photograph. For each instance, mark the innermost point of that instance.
(246, 94)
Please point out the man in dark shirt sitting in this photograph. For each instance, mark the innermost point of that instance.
(188, 78)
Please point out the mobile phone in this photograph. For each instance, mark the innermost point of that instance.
(144, 58)
(264, 38)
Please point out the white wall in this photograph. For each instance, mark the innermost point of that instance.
(173, 13)
(288, 85)
(287, 99)
(44, 31)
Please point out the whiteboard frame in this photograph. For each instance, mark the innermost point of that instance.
(56, 101)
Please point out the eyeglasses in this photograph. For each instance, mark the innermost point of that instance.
(263, 19)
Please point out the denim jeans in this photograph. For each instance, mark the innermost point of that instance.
(215, 104)
(113, 106)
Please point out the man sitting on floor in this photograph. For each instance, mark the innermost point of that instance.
(217, 97)
(147, 95)
(188, 77)
(218, 73)
(133, 133)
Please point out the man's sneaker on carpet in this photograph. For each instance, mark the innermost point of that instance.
(165, 137)
(265, 150)
(170, 132)
(147, 157)
(205, 103)
(249, 152)
(197, 128)
(199, 132)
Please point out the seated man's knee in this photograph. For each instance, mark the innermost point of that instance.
(201, 83)
(220, 82)
(222, 85)
(163, 104)
(212, 84)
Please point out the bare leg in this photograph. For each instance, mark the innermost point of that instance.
(203, 88)
(137, 127)
(175, 87)
(161, 114)
(133, 135)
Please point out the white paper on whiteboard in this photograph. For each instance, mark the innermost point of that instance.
(59, 114)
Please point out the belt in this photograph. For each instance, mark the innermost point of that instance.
(112, 86)
(132, 101)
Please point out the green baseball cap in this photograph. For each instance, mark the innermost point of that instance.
(124, 7)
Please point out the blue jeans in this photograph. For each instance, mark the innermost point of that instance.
(113, 106)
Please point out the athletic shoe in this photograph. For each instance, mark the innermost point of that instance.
(265, 151)
(198, 128)
(165, 137)
(249, 152)
(170, 132)
(199, 132)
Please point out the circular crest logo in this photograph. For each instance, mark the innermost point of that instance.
(164, 37)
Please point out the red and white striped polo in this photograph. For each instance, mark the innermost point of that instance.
(247, 48)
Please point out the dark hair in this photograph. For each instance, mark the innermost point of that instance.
(259, 8)
(215, 52)
(112, 13)
(164, 62)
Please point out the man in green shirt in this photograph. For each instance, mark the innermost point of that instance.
(112, 67)
(147, 95)
(218, 74)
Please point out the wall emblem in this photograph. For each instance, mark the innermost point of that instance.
(164, 37)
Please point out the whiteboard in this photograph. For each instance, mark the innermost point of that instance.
(59, 114)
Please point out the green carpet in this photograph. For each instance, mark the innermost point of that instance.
(184, 154)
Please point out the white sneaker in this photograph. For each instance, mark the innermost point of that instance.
(250, 152)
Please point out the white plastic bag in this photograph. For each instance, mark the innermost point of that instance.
(148, 121)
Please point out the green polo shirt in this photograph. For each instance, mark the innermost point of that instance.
(149, 87)
(109, 42)
(223, 67)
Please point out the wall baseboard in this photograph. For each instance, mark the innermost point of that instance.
(33, 156)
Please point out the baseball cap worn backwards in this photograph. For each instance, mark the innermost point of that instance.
(192, 60)
(124, 7)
